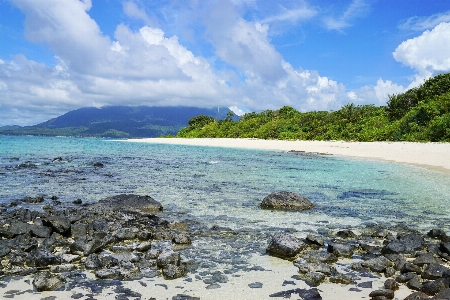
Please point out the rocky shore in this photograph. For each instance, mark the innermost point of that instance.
(124, 238)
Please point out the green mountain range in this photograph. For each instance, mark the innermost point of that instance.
(118, 122)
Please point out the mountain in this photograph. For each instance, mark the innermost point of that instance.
(118, 122)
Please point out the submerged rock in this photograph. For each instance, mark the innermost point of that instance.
(286, 201)
(47, 282)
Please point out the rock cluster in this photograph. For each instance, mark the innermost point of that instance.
(114, 238)
(403, 256)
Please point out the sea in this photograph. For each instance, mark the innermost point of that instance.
(211, 186)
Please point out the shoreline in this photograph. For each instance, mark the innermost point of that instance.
(432, 156)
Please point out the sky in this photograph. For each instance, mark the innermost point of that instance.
(250, 55)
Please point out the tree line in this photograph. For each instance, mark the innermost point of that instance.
(420, 114)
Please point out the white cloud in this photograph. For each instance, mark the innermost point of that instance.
(292, 15)
(357, 9)
(132, 10)
(378, 94)
(429, 52)
(423, 23)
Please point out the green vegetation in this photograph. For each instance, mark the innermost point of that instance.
(420, 114)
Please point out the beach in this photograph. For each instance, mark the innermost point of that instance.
(434, 156)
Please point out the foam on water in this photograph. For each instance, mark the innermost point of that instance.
(225, 186)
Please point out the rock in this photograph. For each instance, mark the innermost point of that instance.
(40, 231)
(403, 278)
(34, 200)
(443, 295)
(183, 297)
(124, 234)
(409, 267)
(315, 240)
(62, 268)
(286, 201)
(45, 281)
(389, 294)
(414, 283)
(41, 258)
(377, 264)
(172, 271)
(417, 296)
(433, 287)
(342, 278)
(433, 271)
(340, 250)
(424, 259)
(285, 246)
(87, 245)
(109, 262)
(144, 246)
(438, 234)
(314, 278)
(69, 258)
(255, 285)
(107, 273)
(77, 201)
(92, 262)
(60, 225)
(318, 256)
(345, 234)
(181, 239)
(131, 202)
(315, 267)
(152, 254)
(168, 258)
(391, 284)
(4, 249)
(407, 243)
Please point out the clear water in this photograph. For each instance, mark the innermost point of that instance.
(224, 186)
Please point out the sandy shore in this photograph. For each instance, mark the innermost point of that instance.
(434, 156)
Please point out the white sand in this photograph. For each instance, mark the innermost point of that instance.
(434, 156)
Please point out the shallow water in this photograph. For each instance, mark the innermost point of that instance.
(224, 186)
(206, 186)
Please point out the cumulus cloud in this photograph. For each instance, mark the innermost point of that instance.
(427, 53)
(147, 67)
(375, 94)
(423, 23)
(357, 9)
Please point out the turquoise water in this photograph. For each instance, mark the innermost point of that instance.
(224, 186)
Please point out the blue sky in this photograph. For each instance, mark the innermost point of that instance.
(60, 55)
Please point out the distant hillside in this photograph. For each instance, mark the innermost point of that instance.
(118, 122)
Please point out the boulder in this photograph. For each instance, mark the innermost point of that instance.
(40, 258)
(168, 258)
(406, 244)
(172, 271)
(129, 202)
(285, 246)
(433, 271)
(60, 225)
(286, 201)
(181, 239)
(47, 282)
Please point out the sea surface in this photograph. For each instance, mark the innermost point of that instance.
(210, 182)
(224, 186)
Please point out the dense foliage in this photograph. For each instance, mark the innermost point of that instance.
(419, 114)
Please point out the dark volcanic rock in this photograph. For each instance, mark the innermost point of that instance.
(60, 225)
(285, 246)
(41, 258)
(168, 258)
(286, 201)
(433, 271)
(47, 282)
(433, 287)
(407, 243)
(87, 245)
(181, 239)
(312, 294)
(134, 203)
(342, 250)
(389, 294)
(172, 271)
(417, 296)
